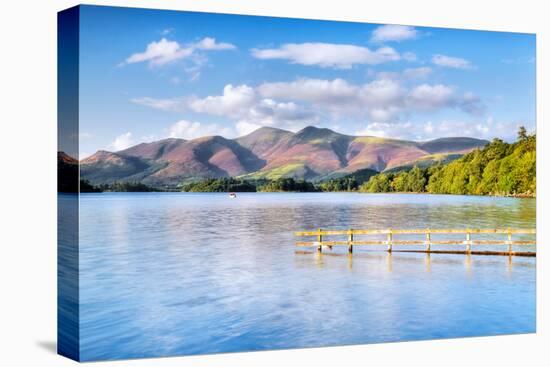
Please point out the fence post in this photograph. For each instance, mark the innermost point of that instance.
(509, 242)
(390, 239)
(428, 240)
(468, 243)
(350, 241)
(319, 240)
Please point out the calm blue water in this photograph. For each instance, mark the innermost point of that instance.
(181, 273)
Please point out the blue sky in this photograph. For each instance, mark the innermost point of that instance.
(149, 74)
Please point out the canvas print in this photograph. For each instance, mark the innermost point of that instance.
(232, 183)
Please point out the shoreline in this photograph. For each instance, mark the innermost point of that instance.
(515, 196)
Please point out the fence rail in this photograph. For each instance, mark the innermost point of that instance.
(390, 241)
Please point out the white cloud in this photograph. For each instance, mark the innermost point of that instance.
(311, 90)
(388, 113)
(166, 52)
(340, 56)
(382, 93)
(184, 129)
(379, 99)
(382, 99)
(122, 142)
(160, 53)
(421, 131)
(241, 103)
(432, 97)
(209, 43)
(270, 111)
(451, 62)
(483, 129)
(428, 97)
(244, 103)
(334, 93)
(294, 104)
(392, 32)
(234, 101)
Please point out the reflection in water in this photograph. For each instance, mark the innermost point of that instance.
(186, 273)
(468, 263)
(428, 262)
(319, 259)
(309, 258)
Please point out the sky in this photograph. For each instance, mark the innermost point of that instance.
(147, 75)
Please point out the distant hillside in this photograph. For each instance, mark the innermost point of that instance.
(154, 150)
(307, 154)
(442, 145)
(107, 167)
(427, 161)
(312, 153)
(262, 141)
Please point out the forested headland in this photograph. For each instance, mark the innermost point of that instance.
(499, 168)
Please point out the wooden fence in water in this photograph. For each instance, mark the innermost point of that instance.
(390, 241)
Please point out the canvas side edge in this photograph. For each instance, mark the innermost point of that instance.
(68, 308)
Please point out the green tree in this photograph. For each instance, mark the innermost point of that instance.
(522, 134)
(378, 183)
(399, 182)
(416, 180)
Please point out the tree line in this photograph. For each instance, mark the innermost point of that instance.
(230, 184)
(224, 184)
(499, 168)
(86, 186)
(284, 184)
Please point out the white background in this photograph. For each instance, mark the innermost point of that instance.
(28, 182)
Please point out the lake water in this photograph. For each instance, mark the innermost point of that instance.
(183, 273)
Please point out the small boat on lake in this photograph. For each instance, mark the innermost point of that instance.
(232, 195)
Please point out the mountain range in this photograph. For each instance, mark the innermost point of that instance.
(312, 153)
